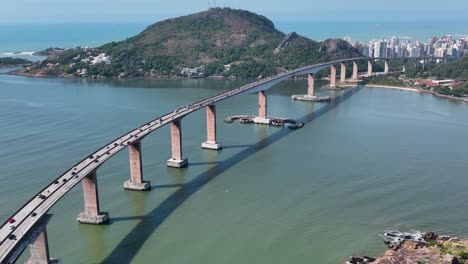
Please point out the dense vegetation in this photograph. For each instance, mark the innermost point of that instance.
(211, 39)
(457, 69)
(460, 90)
(9, 61)
(457, 91)
(386, 80)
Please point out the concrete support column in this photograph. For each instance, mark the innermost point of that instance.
(262, 104)
(136, 182)
(262, 110)
(343, 73)
(355, 70)
(369, 68)
(177, 161)
(386, 67)
(332, 76)
(310, 84)
(210, 142)
(91, 213)
(39, 248)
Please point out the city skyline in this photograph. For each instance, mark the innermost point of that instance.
(440, 47)
(87, 11)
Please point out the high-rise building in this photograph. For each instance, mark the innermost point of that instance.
(393, 48)
(347, 39)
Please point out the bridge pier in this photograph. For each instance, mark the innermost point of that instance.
(310, 84)
(343, 73)
(369, 68)
(210, 142)
(136, 182)
(39, 246)
(310, 92)
(262, 104)
(355, 71)
(91, 213)
(262, 109)
(386, 69)
(332, 76)
(177, 161)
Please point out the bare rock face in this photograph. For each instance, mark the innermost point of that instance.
(441, 250)
(410, 252)
(337, 48)
(286, 41)
(430, 236)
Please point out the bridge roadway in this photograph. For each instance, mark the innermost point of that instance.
(30, 213)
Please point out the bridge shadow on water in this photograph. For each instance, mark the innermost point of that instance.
(129, 246)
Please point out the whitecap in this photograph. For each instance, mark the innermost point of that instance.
(30, 104)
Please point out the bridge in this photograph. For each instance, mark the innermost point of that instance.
(27, 226)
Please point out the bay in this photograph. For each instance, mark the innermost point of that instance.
(376, 159)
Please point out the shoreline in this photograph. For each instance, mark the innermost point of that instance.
(411, 89)
(18, 72)
(419, 248)
(383, 86)
(394, 87)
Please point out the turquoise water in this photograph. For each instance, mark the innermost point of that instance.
(364, 31)
(375, 159)
(15, 38)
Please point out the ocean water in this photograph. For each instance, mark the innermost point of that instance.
(364, 31)
(27, 38)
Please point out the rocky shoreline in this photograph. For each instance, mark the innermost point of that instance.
(42, 73)
(430, 249)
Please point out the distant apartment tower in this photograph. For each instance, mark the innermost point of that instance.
(439, 52)
(380, 49)
(347, 39)
(395, 41)
(371, 48)
(365, 50)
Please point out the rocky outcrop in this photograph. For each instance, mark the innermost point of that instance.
(337, 48)
(435, 249)
(285, 42)
(416, 252)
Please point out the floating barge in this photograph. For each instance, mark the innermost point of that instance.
(271, 121)
(311, 98)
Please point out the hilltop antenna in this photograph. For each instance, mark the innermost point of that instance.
(214, 5)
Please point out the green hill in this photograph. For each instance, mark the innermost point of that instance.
(219, 41)
(457, 69)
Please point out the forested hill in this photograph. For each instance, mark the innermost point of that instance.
(457, 69)
(219, 41)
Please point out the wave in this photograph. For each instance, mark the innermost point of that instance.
(30, 53)
(27, 103)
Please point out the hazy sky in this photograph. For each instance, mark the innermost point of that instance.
(79, 11)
